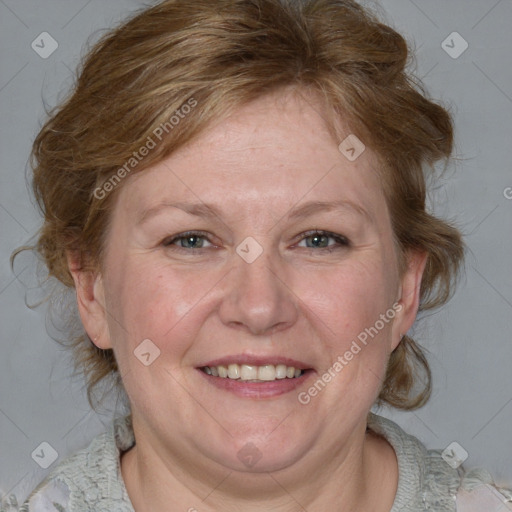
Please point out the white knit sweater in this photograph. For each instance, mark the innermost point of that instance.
(90, 480)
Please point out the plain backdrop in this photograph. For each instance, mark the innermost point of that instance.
(468, 341)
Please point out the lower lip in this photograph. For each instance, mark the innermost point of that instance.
(266, 389)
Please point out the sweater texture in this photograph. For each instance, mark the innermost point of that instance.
(90, 480)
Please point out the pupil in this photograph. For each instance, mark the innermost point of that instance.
(191, 240)
(317, 240)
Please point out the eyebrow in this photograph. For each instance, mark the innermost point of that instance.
(312, 207)
(196, 209)
(304, 210)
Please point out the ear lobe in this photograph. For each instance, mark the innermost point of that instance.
(90, 298)
(409, 298)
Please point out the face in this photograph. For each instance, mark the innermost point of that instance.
(257, 250)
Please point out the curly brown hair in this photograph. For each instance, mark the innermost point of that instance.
(223, 54)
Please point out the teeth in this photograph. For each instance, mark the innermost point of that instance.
(281, 371)
(234, 371)
(267, 372)
(248, 372)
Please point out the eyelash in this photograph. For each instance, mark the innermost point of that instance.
(342, 242)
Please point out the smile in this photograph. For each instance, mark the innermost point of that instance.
(253, 373)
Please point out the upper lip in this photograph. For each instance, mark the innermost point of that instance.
(254, 360)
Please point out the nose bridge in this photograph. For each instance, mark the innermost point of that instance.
(257, 296)
(260, 276)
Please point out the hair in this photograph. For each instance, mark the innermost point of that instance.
(219, 55)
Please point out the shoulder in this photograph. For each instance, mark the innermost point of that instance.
(89, 479)
(51, 495)
(435, 479)
(478, 492)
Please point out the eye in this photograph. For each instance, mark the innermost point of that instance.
(319, 239)
(188, 240)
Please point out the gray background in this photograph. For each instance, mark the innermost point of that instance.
(469, 340)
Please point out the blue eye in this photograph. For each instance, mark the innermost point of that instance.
(188, 240)
(316, 239)
(320, 240)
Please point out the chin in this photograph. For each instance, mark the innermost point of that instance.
(253, 454)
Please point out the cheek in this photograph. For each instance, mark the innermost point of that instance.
(353, 315)
(151, 300)
(349, 299)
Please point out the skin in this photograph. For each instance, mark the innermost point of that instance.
(306, 303)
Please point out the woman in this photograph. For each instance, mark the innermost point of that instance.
(235, 190)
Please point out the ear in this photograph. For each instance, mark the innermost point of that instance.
(409, 295)
(90, 296)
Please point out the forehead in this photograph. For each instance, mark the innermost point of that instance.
(275, 151)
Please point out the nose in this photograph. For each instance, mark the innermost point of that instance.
(257, 297)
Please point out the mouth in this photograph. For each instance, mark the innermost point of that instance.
(253, 373)
(255, 378)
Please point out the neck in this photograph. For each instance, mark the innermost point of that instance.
(362, 476)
